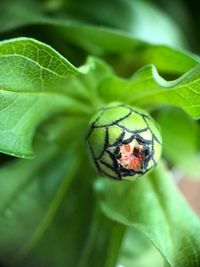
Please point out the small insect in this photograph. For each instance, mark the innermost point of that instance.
(123, 142)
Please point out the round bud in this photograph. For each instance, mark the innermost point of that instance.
(124, 142)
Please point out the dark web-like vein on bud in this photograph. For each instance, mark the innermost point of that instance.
(114, 122)
(151, 131)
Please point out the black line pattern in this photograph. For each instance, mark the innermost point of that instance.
(111, 167)
(115, 122)
(141, 140)
(114, 160)
(106, 143)
(95, 161)
(119, 140)
(127, 107)
(151, 131)
(133, 131)
(94, 122)
(113, 150)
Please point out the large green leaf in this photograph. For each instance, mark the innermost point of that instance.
(137, 20)
(48, 213)
(32, 190)
(148, 89)
(31, 81)
(154, 206)
(129, 51)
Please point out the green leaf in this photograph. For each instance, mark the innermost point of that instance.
(39, 202)
(18, 13)
(154, 206)
(128, 53)
(32, 190)
(143, 27)
(130, 50)
(38, 83)
(104, 242)
(138, 251)
(30, 75)
(180, 140)
(148, 89)
(39, 53)
(137, 21)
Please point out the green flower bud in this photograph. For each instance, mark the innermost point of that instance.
(123, 142)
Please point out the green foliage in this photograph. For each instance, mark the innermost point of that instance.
(162, 215)
(148, 89)
(180, 140)
(53, 210)
(30, 74)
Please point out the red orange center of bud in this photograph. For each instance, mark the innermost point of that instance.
(132, 156)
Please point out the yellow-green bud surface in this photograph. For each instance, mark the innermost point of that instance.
(124, 142)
